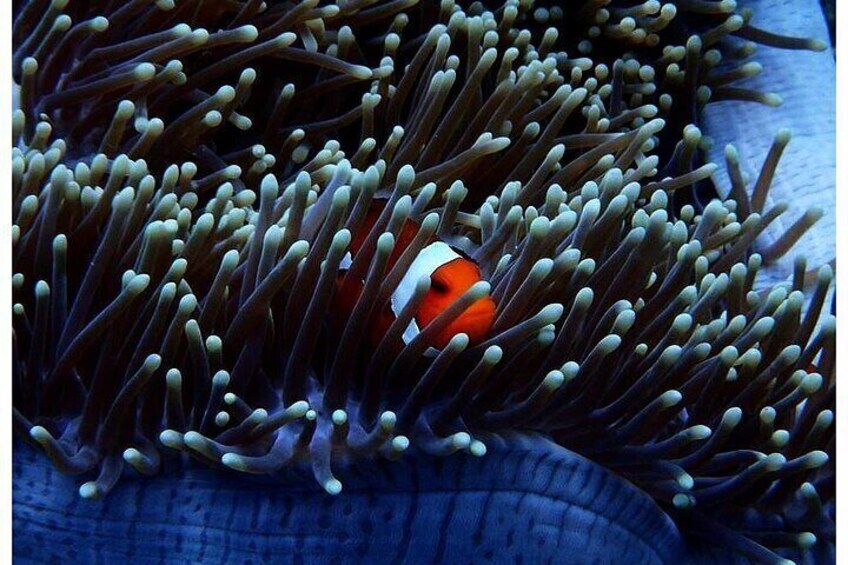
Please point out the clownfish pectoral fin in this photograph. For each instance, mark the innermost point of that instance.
(461, 242)
(411, 331)
(346, 261)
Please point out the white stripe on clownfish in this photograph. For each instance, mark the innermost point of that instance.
(428, 260)
(451, 273)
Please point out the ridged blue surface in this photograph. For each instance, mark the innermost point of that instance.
(530, 503)
(806, 176)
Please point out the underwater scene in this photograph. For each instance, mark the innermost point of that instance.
(423, 281)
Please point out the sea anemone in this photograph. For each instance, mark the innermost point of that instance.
(187, 179)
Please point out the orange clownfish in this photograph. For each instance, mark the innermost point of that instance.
(451, 275)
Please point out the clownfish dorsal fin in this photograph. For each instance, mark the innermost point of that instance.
(461, 244)
(377, 209)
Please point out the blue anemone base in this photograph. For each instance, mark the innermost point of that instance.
(526, 501)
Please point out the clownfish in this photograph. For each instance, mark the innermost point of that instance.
(451, 274)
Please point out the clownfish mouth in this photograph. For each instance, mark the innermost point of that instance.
(476, 322)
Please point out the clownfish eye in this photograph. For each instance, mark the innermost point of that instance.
(438, 286)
